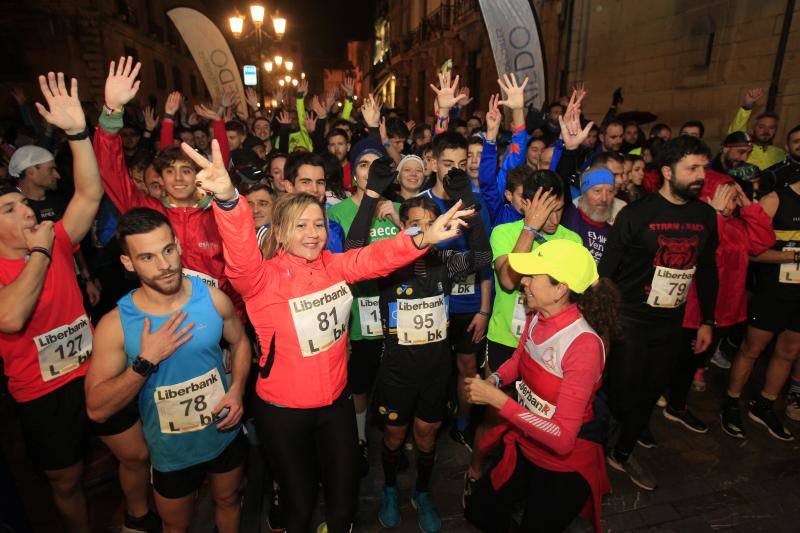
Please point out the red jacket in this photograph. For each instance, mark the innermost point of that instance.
(748, 234)
(167, 138)
(300, 309)
(195, 228)
(652, 181)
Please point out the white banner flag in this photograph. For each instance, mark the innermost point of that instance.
(516, 44)
(211, 53)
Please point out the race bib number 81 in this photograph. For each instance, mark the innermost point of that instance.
(65, 348)
(320, 318)
(670, 287)
(187, 406)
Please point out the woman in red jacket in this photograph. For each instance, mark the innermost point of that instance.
(299, 302)
(744, 230)
(553, 461)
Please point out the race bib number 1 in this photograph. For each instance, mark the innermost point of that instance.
(187, 406)
(65, 348)
(670, 287)
(320, 318)
(369, 315)
(422, 320)
(465, 286)
(519, 318)
(790, 272)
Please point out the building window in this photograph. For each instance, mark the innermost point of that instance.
(177, 79)
(193, 84)
(130, 51)
(161, 74)
(127, 12)
(381, 41)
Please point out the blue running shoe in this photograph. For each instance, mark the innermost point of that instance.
(389, 514)
(429, 520)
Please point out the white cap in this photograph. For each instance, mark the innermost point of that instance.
(409, 158)
(26, 157)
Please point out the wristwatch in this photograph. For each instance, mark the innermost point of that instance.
(143, 367)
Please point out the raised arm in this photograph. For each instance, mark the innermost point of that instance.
(171, 107)
(739, 122)
(487, 169)
(64, 111)
(447, 97)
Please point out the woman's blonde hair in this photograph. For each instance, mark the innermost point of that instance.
(285, 212)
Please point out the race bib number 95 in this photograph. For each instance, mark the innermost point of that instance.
(670, 287)
(320, 319)
(65, 348)
(422, 320)
(187, 406)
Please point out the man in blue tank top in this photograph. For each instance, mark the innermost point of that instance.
(162, 344)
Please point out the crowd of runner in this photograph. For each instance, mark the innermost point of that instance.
(184, 284)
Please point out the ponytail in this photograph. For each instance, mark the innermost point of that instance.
(600, 306)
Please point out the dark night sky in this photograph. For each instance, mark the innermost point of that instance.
(323, 27)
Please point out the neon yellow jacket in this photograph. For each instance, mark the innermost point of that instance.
(762, 156)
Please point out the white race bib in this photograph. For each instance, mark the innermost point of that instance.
(465, 286)
(670, 287)
(519, 318)
(369, 314)
(65, 348)
(205, 278)
(422, 320)
(533, 403)
(320, 318)
(187, 406)
(790, 272)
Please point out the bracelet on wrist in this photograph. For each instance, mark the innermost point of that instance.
(79, 136)
(536, 235)
(227, 205)
(42, 250)
(169, 116)
(108, 110)
(484, 314)
(498, 381)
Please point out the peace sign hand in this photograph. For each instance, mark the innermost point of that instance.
(447, 226)
(212, 178)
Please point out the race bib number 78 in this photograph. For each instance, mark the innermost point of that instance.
(187, 406)
(320, 318)
(65, 348)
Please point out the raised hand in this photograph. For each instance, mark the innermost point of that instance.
(330, 100)
(515, 92)
(212, 178)
(65, 109)
(280, 93)
(302, 88)
(463, 93)
(410, 125)
(284, 118)
(447, 226)
(251, 98)
(121, 83)
(348, 86)
(160, 344)
(752, 96)
(381, 175)
(311, 122)
(150, 118)
(173, 103)
(229, 98)
(446, 97)
(206, 113)
(493, 118)
(537, 210)
(570, 121)
(371, 112)
(318, 107)
(40, 236)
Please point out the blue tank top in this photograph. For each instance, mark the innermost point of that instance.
(176, 400)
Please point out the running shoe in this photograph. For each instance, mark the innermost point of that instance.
(149, 523)
(766, 417)
(461, 437)
(429, 521)
(793, 406)
(389, 513)
(363, 458)
(469, 489)
(730, 418)
(637, 470)
(686, 419)
(646, 439)
(719, 360)
(275, 517)
(698, 381)
(661, 402)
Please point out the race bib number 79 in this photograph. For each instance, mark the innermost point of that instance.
(65, 348)
(670, 287)
(320, 318)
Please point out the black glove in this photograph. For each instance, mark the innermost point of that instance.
(381, 175)
(458, 185)
(617, 98)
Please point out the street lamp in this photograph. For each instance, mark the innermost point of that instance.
(279, 25)
(278, 60)
(294, 82)
(289, 65)
(302, 75)
(268, 66)
(237, 24)
(287, 78)
(281, 82)
(257, 14)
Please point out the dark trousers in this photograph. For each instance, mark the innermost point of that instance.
(683, 375)
(551, 500)
(638, 371)
(306, 446)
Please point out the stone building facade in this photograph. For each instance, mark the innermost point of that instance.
(680, 59)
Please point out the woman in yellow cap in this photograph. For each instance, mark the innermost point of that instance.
(557, 368)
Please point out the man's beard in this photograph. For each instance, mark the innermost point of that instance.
(686, 192)
(596, 215)
(165, 287)
(763, 141)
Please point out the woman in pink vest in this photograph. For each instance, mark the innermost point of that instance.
(552, 458)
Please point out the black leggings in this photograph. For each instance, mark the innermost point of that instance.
(683, 375)
(551, 499)
(306, 446)
(638, 371)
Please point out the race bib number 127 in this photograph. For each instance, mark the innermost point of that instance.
(65, 348)
(320, 318)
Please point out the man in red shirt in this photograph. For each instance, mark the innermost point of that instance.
(45, 334)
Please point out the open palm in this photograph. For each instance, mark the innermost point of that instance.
(63, 108)
(121, 83)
